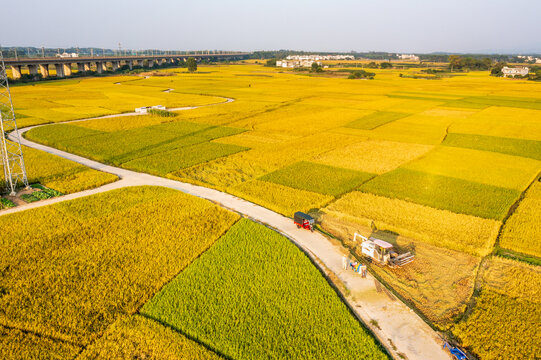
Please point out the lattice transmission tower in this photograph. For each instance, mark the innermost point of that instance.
(12, 154)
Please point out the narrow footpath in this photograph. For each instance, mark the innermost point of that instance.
(399, 329)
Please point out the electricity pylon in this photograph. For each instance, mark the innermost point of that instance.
(12, 154)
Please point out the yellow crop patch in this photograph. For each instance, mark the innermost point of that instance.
(479, 166)
(502, 122)
(279, 198)
(373, 156)
(460, 232)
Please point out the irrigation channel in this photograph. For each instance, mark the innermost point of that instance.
(403, 333)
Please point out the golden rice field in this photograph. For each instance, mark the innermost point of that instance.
(506, 319)
(84, 279)
(434, 166)
(522, 231)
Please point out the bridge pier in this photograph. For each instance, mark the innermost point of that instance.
(16, 71)
(130, 64)
(100, 67)
(59, 70)
(115, 65)
(44, 70)
(150, 63)
(83, 67)
(67, 69)
(33, 69)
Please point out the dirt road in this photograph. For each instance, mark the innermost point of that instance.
(398, 328)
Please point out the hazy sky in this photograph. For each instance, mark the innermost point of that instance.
(313, 25)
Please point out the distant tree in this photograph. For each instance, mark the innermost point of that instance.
(497, 69)
(271, 62)
(192, 64)
(316, 67)
(455, 62)
(372, 65)
(361, 74)
(386, 65)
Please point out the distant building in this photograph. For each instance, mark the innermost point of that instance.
(409, 57)
(296, 63)
(67, 55)
(512, 72)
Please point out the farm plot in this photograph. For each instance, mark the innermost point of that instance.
(71, 269)
(166, 162)
(279, 198)
(323, 179)
(478, 166)
(60, 174)
(501, 122)
(376, 119)
(442, 192)
(123, 146)
(136, 336)
(442, 228)
(522, 232)
(70, 99)
(517, 147)
(373, 156)
(506, 320)
(240, 299)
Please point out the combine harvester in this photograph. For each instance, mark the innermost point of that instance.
(382, 253)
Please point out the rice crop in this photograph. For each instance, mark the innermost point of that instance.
(164, 163)
(17, 344)
(517, 147)
(521, 231)
(501, 122)
(60, 174)
(442, 228)
(478, 166)
(282, 199)
(136, 337)
(442, 192)
(376, 119)
(373, 156)
(323, 179)
(506, 319)
(71, 269)
(240, 299)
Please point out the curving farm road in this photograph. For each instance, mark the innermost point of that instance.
(396, 322)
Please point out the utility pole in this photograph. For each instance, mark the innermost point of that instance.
(10, 142)
(42, 52)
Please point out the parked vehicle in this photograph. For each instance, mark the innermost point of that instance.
(304, 221)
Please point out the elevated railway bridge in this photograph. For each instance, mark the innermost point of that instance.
(65, 65)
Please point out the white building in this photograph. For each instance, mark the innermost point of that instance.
(67, 55)
(410, 57)
(144, 109)
(512, 72)
(296, 63)
(316, 57)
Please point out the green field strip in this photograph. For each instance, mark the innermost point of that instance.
(412, 97)
(443, 192)
(255, 295)
(379, 118)
(319, 178)
(167, 162)
(511, 146)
